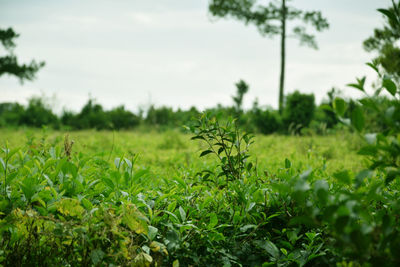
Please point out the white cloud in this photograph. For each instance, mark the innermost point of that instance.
(123, 51)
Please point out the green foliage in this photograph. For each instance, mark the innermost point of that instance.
(92, 115)
(56, 212)
(384, 41)
(266, 121)
(123, 119)
(242, 88)
(271, 18)
(267, 17)
(61, 207)
(38, 114)
(226, 143)
(9, 63)
(299, 111)
(11, 114)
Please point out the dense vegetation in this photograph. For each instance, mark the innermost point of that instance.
(65, 207)
(92, 200)
(300, 112)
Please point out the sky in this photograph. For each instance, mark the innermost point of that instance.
(174, 53)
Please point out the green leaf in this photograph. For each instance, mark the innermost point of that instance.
(340, 106)
(390, 86)
(205, 153)
(182, 213)
(117, 162)
(11, 177)
(357, 119)
(247, 227)
(87, 204)
(152, 232)
(213, 220)
(391, 16)
(373, 66)
(3, 164)
(271, 249)
(109, 182)
(359, 85)
(11, 153)
(288, 164)
(171, 207)
(29, 187)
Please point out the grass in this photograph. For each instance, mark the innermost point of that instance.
(135, 198)
(169, 151)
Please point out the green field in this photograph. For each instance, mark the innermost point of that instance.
(101, 198)
(166, 152)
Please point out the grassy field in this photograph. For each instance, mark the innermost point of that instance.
(140, 199)
(166, 152)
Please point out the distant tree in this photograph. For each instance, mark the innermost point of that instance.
(271, 19)
(299, 111)
(11, 114)
(162, 116)
(242, 88)
(123, 119)
(38, 113)
(92, 115)
(9, 63)
(385, 42)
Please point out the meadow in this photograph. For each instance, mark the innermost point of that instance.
(166, 151)
(132, 198)
(169, 187)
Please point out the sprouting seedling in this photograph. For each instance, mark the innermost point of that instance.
(68, 146)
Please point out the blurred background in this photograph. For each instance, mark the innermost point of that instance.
(178, 54)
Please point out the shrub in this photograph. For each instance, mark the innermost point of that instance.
(92, 115)
(162, 116)
(38, 114)
(267, 121)
(11, 114)
(299, 111)
(123, 119)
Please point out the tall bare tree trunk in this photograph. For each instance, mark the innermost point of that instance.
(283, 52)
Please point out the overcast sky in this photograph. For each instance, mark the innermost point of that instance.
(172, 52)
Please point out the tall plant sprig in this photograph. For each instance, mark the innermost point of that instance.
(5, 165)
(227, 143)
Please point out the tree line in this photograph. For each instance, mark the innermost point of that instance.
(301, 115)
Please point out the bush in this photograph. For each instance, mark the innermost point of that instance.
(11, 114)
(38, 114)
(298, 111)
(92, 115)
(160, 116)
(267, 121)
(123, 119)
